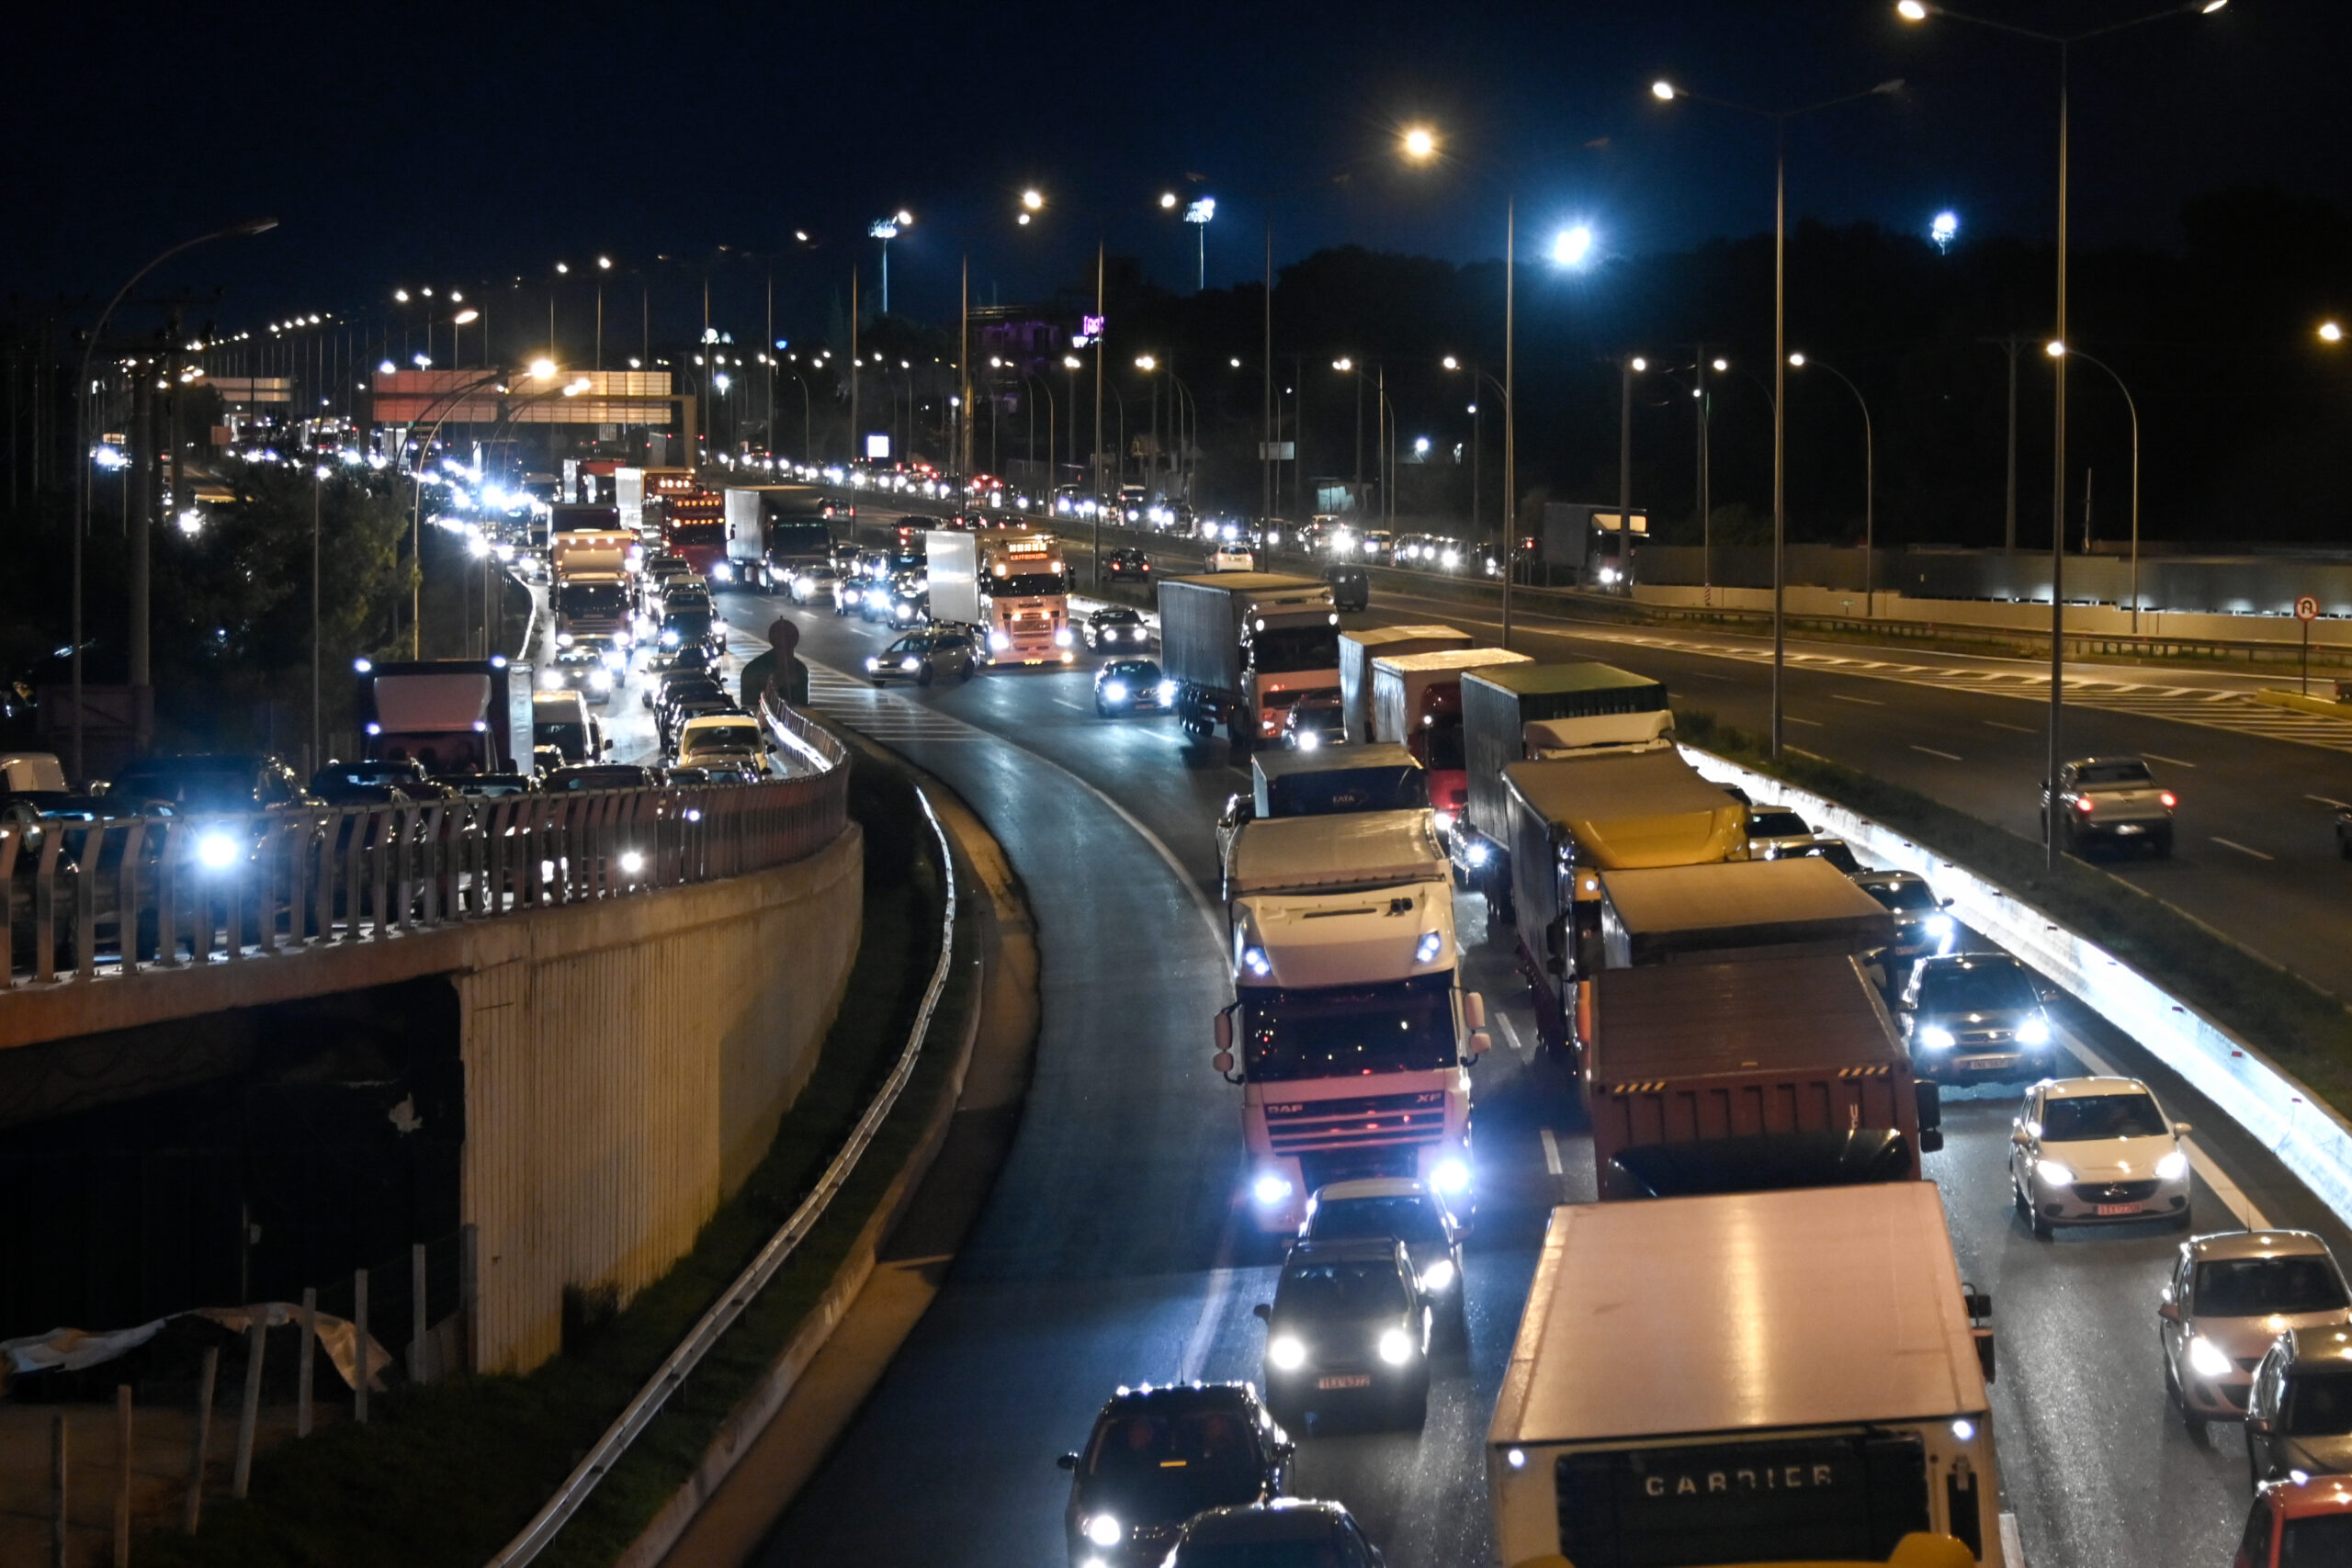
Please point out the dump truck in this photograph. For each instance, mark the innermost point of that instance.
(1417, 704)
(1358, 649)
(1757, 1073)
(1242, 647)
(1787, 1377)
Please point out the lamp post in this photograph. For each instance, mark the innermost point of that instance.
(1198, 215)
(887, 230)
(1920, 11)
(1666, 91)
(1628, 366)
(2062, 352)
(1870, 476)
(83, 460)
(1478, 374)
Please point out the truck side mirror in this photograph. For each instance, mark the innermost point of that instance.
(1067, 1462)
(1983, 1337)
(1223, 1027)
(1480, 1044)
(1223, 1062)
(1931, 1140)
(1263, 1311)
(1474, 1010)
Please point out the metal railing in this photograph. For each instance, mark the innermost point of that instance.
(103, 898)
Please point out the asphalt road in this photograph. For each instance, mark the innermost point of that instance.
(1110, 1250)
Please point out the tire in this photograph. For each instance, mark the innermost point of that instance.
(966, 672)
(2184, 1221)
(1102, 712)
(922, 676)
(878, 683)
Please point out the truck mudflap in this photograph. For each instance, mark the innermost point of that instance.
(1551, 1019)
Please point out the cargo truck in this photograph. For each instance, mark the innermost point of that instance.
(1353, 1039)
(632, 488)
(1417, 704)
(776, 532)
(1511, 713)
(1783, 1377)
(1013, 587)
(1752, 1074)
(1358, 649)
(455, 716)
(1242, 647)
(692, 524)
(1322, 783)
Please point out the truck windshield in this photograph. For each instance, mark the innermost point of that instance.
(441, 751)
(591, 599)
(1445, 748)
(1286, 649)
(1028, 586)
(1350, 1031)
(2259, 1287)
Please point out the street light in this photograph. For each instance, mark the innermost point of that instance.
(2330, 331)
(1920, 11)
(1571, 246)
(2060, 351)
(1870, 477)
(1666, 91)
(1419, 143)
(1198, 215)
(887, 230)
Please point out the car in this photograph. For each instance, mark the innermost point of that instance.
(493, 786)
(1283, 1532)
(1376, 543)
(1975, 1018)
(2096, 1151)
(902, 599)
(1921, 926)
(687, 594)
(2294, 1523)
(377, 783)
(197, 782)
(722, 739)
(689, 707)
(1127, 565)
(687, 630)
(1350, 587)
(1406, 1210)
(1350, 1325)
(593, 663)
(1158, 1456)
(1775, 832)
(2227, 1299)
(576, 776)
(923, 656)
(2112, 800)
(1116, 626)
(813, 584)
(1313, 721)
(1132, 685)
(2298, 1413)
(1230, 558)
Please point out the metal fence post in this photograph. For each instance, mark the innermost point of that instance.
(193, 1509)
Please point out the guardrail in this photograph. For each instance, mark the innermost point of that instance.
(631, 1423)
(96, 899)
(2299, 1129)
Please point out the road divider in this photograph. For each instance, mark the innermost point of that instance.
(2306, 1135)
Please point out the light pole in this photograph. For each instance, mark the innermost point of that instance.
(1920, 11)
(1629, 367)
(1198, 216)
(887, 230)
(1870, 475)
(2061, 352)
(1477, 374)
(83, 460)
(1666, 91)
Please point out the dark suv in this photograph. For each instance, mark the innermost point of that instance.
(1128, 565)
(1157, 1457)
(1348, 1326)
(199, 781)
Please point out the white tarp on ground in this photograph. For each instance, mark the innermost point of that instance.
(71, 1349)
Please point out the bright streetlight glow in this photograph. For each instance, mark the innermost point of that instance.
(466, 317)
(542, 369)
(1420, 143)
(1421, 445)
(2211, 7)
(386, 369)
(1662, 90)
(2330, 331)
(605, 263)
(1911, 10)
(1034, 200)
(1344, 365)
(1166, 201)
(2054, 349)
(1572, 246)
(1145, 362)
(1070, 361)
(1943, 228)
(1797, 360)
(1640, 364)
(564, 266)
(1202, 211)
(1721, 365)
(1451, 364)
(1235, 362)
(906, 219)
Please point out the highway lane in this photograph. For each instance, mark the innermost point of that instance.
(1043, 1314)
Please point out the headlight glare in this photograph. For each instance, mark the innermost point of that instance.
(216, 851)
(1935, 1037)
(2050, 1171)
(2034, 1031)
(1103, 1529)
(1287, 1352)
(1269, 1189)
(1116, 690)
(1395, 1346)
(1437, 1276)
(2173, 1166)
(2205, 1358)
(1450, 1174)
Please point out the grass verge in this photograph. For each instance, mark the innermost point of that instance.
(2306, 1031)
(444, 1475)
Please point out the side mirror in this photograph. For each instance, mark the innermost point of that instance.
(1480, 1044)
(1983, 1337)
(1263, 1311)
(2259, 1424)
(1222, 1062)
(2169, 1310)
(1223, 1027)
(2020, 1137)
(1943, 903)
(2182, 1129)
(603, 746)
(1931, 1140)
(1474, 1010)
(1067, 1462)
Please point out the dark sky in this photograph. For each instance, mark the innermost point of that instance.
(432, 143)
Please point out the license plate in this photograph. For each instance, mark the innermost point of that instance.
(1987, 1064)
(2123, 828)
(2117, 1208)
(1346, 1379)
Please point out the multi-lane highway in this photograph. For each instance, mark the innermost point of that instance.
(1112, 1251)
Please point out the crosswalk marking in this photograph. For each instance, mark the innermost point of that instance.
(878, 713)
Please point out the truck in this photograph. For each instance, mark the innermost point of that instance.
(632, 488)
(1571, 818)
(1790, 1377)
(692, 524)
(1417, 704)
(1515, 711)
(593, 587)
(1354, 1037)
(455, 716)
(776, 532)
(589, 482)
(1242, 647)
(1748, 1073)
(1325, 781)
(1358, 649)
(1013, 588)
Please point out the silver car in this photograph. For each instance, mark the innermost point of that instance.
(2226, 1302)
(2298, 1416)
(2097, 1151)
(923, 656)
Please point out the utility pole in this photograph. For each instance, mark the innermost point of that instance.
(1625, 368)
(1706, 510)
(855, 450)
(963, 370)
(1103, 330)
(2010, 345)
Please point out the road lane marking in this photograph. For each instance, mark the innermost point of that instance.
(1078, 708)
(1510, 1035)
(1947, 756)
(1551, 1151)
(1808, 723)
(2019, 728)
(2160, 757)
(1866, 702)
(2232, 1197)
(2324, 800)
(2233, 844)
(1204, 1327)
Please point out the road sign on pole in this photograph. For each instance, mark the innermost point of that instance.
(2307, 611)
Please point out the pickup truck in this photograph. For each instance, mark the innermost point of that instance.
(2111, 799)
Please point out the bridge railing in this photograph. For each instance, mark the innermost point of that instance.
(110, 898)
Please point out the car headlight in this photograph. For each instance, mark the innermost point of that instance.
(1450, 1176)
(2034, 1031)
(721, 572)
(1116, 690)
(669, 639)
(998, 641)
(1476, 854)
(563, 639)
(909, 664)
(1269, 1189)
(615, 660)
(2173, 1166)
(1309, 740)
(1937, 925)
(804, 584)
(1935, 1037)
(1103, 1529)
(1061, 636)
(550, 680)
(632, 861)
(600, 680)
(216, 851)
(2205, 1358)
(1437, 1276)
(872, 662)
(1287, 1352)
(1431, 945)
(1395, 1346)
(905, 611)
(1168, 691)
(1444, 821)
(2050, 1171)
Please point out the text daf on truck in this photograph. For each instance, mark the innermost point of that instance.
(1352, 1037)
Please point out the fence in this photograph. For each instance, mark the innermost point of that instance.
(161, 893)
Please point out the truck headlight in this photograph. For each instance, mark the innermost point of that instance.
(2205, 1358)
(905, 611)
(1287, 1352)
(999, 642)
(872, 662)
(2034, 1031)
(1935, 1038)
(721, 572)
(216, 851)
(1476, 854)
(1450, 1174)
(1395, 1346)
(1061, 636)
(1309, 740)
(1269, 1189)
(1431, 945)
(1254, 960)
(600, 680)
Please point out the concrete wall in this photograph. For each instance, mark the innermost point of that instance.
(2082, 620)
(626, 1067)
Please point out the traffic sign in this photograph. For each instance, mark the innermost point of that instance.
(2306, 608)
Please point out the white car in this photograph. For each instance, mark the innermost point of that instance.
(1231, 557)
(2097, 1151)
(727, 740)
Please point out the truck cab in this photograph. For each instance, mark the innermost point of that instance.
(1417, 704)
(1325, 781)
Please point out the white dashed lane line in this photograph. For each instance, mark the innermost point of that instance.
(1947, 756)
(2233, 844)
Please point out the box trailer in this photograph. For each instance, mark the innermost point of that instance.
(1511, 713)
(1358, 649)
(1242, 646)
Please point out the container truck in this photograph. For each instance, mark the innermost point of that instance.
(455, 716)
(1358, 649)
(1333, 780)
(952, 566)
(1514, 712)
(692, 525)
(1242, 647)
(1417, 704)
(1013, 587)
(1784, 1377)
(1759, 1073)
(776, 532)
(1355, 1038)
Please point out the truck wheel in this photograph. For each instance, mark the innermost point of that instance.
(1236, 735)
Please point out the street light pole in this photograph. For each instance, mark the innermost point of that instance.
(2133, 407)
(1627, 368)
(1510, 409)
(1870, 475)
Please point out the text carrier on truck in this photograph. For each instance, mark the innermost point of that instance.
(1354, 1037)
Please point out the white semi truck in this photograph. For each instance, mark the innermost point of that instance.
(1242, 647)
(1352, 1037)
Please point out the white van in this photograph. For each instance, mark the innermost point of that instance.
(561, 719)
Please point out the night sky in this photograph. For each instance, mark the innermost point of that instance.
(436, 143)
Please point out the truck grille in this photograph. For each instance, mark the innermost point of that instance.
(1357, 1121)
(2115, 1191)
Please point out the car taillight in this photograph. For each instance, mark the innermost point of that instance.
(2083, 803)
(2169, 799)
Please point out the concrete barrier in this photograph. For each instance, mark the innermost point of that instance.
(2304, 1132)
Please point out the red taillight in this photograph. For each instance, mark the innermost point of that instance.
(2169, 799)
(2083, 803)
